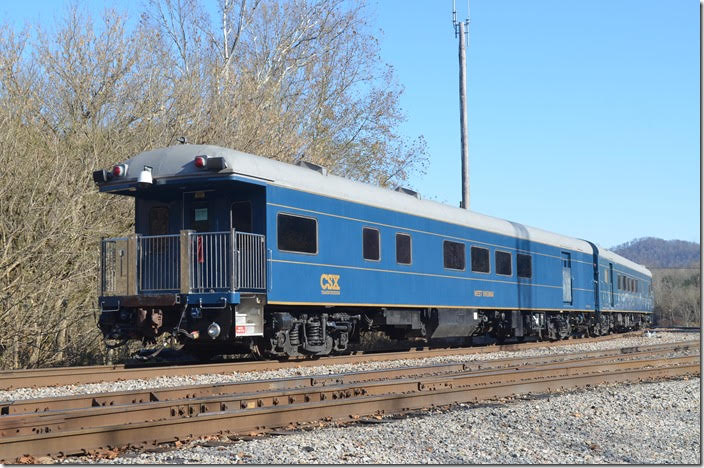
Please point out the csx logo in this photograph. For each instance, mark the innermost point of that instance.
(330, 284)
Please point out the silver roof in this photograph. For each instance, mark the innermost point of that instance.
(177, 161)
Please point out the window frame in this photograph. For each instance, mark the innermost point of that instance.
(378, 240)
(530, 257)
(464, 255)
(510, 263)
(410, 247)
(317, 244)
(488, 256)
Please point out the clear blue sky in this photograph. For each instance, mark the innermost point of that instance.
(583, 115)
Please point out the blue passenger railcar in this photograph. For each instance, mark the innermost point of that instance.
(233, 249)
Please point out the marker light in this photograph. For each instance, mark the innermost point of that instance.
(213, 330)
(119, 170)
(200, 161)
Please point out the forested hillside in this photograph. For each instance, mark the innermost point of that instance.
(659, 253)
(676, 277)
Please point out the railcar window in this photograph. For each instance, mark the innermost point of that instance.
(480, 260)
(620, 282)
(297, 234)
(606, 275)
(370, 244)
(158, 220)
(453, 255)
(524, 265)
(199, 219)
(503, 263)
(403, 249)
(241, 216)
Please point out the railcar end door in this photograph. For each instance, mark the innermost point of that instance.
(566, 278)
(611, 283)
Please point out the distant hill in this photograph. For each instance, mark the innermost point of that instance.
(659, 253)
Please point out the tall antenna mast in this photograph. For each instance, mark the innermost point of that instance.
(463, 35)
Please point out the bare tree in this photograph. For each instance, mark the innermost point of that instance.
(292, 80)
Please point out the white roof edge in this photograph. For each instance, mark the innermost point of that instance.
(614, 257)
(178, 161)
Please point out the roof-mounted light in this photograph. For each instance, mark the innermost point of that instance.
(210, 163)
(119, 170)
(201, 161)
(145, 178)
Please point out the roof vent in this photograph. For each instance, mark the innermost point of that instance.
(311, 166)
(408, 191)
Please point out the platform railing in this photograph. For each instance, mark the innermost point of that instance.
(250, 250)
(211, 261)
(186, 262)
(159, 263)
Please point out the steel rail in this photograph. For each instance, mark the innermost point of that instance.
(27, 425)
(250, 396)
(44, 377)
(202, 390)
(177, 420)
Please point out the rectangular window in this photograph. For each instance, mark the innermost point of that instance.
(620, 282)
(297, 234)
(453, 255)
(241, 216)
(403, 249)
(524, 265)
(200, 221)
(158, 220)
(606, 275)
(480, 260)
(503, 263)
(370, 244)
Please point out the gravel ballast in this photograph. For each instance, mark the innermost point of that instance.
(641, 423)
(165, 382)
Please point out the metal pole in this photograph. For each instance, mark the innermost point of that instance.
(463, 119)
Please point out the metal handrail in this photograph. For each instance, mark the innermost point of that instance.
(186, 262)
(158, 263)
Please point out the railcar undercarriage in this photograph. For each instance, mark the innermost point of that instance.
(296, 332)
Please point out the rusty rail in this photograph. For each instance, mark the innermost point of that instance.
(255, 405)
(91, 374)
(192, 391)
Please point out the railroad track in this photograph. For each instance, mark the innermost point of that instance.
(84, 423)
(28, 378)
